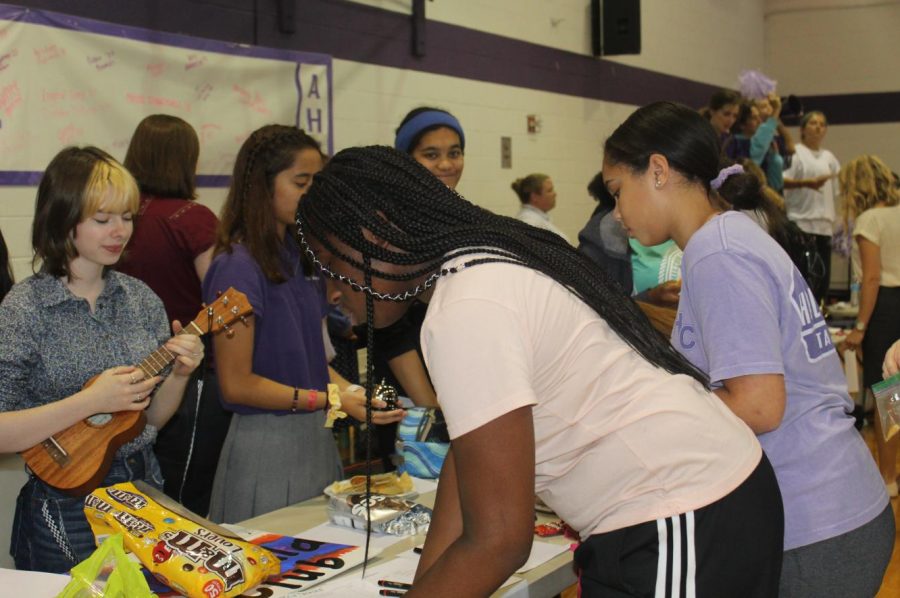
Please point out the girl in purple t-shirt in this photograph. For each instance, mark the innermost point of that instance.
(747, 318)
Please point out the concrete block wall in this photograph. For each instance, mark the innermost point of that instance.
(841, 47)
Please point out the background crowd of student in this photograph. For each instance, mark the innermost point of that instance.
(247, 437)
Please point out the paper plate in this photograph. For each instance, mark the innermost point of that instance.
(405, 496)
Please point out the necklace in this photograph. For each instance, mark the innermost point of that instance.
(408, 294)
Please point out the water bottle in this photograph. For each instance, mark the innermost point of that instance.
(854, 293)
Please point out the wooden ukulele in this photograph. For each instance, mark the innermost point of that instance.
(77, 459)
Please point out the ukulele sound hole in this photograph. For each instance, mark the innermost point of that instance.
(100, 419)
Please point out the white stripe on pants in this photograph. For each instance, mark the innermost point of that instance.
(683, 565)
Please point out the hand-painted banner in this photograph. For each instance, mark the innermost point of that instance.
(75, 81)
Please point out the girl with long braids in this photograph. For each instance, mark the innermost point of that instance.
(273, 372)
(552, 382)
(748, 319)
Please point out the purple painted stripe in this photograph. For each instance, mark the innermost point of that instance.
(858, 108)
(213, 180)
(29, 178)
(20, 178)
(384, 38)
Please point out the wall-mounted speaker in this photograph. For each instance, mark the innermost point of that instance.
(615, 27)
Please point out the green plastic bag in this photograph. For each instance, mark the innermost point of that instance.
(108, 573)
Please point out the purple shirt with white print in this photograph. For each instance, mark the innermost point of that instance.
(745, 309)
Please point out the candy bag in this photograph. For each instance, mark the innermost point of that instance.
(108, 572)
(186, 556)
(887, 400)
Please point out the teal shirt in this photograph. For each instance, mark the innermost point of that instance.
(654, 265)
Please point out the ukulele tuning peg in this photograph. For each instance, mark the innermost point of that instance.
(225, 301)
(243, 320)
(235, 310)
(229, 332)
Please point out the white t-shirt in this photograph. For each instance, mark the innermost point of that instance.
(539, 218)
(881, 226)
(812, 209)
(618, 441)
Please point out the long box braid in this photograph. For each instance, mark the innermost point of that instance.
(425, 223)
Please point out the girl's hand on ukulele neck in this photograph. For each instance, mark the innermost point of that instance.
(188, 349)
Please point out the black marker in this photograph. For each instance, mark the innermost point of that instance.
(396, 585)
(417, 550)
(392, 593)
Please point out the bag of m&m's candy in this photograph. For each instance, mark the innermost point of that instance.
(183, 554)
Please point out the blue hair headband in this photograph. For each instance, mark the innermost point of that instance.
(422, 121)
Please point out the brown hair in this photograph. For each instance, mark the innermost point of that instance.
(163, 155)
(722, 98)
(6, 272)
(806, 118)
(524, 187)
(247, 215)
(78, 182)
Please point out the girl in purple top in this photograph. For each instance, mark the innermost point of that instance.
(273, 372)
(747, 318)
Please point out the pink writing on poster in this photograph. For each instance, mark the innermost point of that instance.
(69, 134)
(156, 68)
(10, 98)
(48, 53)
(254, 101)
(6, 58)
(158, 101)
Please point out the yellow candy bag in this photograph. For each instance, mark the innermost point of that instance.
(183, 554)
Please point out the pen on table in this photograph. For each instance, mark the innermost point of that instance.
(392, 592)
(396, 585)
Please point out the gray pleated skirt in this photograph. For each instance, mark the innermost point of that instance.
(272, 461)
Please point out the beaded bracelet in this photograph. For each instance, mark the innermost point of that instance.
(295, 400)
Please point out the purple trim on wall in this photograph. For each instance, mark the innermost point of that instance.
(384, 38)
(30, 178)
(20, 178)
(213, 180)
(857, 108)
(370, 35)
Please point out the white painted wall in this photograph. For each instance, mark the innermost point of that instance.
(821, 47)
(568, 147)
(12, 478)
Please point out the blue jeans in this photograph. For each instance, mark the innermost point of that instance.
(50, 531)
